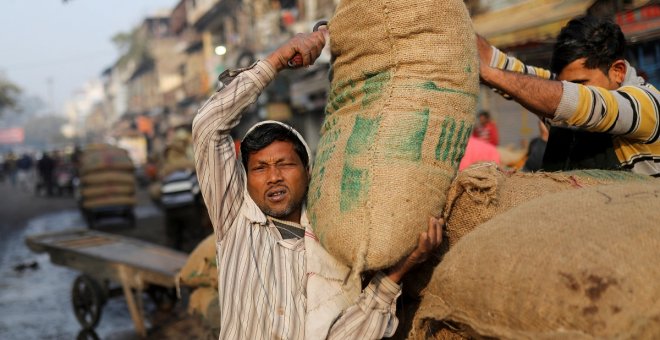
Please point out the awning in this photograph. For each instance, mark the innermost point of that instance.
(530, 21)
(640, 24)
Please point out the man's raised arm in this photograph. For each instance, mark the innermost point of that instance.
(221, 175)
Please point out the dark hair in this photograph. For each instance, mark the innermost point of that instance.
(263, 135)
(598, 40)
(484, 113)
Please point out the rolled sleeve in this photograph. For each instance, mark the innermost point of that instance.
(262, 74)
(381, 293)
(374, 314)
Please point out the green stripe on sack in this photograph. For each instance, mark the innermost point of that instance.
(431, 86)
(463, 143)
(354, 187)
(449, 148)
(355, 181)
(445, 143)
(326, 149)
(363, 134)
(456, 146)
(407, 145)
(373, 87)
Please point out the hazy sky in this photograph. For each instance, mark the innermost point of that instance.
(66, 42)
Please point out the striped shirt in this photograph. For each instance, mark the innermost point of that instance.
(631, 113)
(262, 276)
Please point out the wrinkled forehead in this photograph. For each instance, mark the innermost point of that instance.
(277, 151)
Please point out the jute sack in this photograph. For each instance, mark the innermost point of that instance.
(117, 200)
(401, 108)
(578, 264)
(201, 268)
(108, 177)
(204, 302)
(104, 157)
(483, 191)
(100, 190)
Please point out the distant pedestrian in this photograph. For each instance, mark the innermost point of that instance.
(46, 167)
(486, 129)
(10, 168)
(24, 171)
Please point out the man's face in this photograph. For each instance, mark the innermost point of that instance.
(576, 72)
(483, 120)
(277, 181)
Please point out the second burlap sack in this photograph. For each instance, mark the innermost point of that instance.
(401, 108)
(577, 264)
(484, 191)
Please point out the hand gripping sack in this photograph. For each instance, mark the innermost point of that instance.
(402, 102)
(577, 264)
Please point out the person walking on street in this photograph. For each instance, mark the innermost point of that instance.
(46, 167)
(10, 168)
(604, 115)
(24, 171)
(265, 246)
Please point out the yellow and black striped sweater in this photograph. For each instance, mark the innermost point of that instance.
(631, 113)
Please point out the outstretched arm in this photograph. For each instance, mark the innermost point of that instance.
(538, 95)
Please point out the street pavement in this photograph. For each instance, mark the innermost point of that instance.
(35, 295)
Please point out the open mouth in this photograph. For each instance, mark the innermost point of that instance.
(276, 194)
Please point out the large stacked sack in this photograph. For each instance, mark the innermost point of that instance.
(484, 191)
(578, 264)
(401, 108)
(201, 274)
(107, 177)
(201, 269)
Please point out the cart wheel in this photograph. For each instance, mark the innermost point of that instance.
(87, 334)
(88, 300)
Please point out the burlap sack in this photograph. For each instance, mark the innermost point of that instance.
(204, 302)
(201, 268)
(104, 157)
(401, 108)
(577, 264)
(107, 190)
(116, 200)
(483, 191)
(108, 177)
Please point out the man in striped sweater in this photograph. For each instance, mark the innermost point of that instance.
(275, 280)
(604, 116)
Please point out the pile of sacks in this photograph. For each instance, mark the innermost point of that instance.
(200, 274)
(177, 156)
(545, 255)
(107, 177)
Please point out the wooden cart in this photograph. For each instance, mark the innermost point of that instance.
(104, 259)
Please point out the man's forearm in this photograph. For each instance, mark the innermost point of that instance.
(538, 95)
